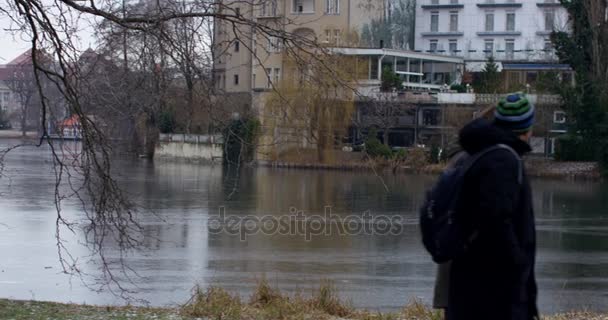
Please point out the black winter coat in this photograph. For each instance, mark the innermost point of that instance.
(494, 279)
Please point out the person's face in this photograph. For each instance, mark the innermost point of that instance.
(525, 137)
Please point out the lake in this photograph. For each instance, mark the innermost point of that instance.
(378, 271)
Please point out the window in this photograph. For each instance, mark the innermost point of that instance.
(430, 117)
(433, 46)
(434, 1)
(269, 8)
(453, 20)
(332, 6)
(434, 21)
(567, 77)
(236, 79)
(236, 46)
(489, 21)
(274, 44)
(253, 81)
(268, 75)
(489, 47)
(559, 117)
(337, 37)
(7, 96)
(531, 77)
(273, 8)
(327, 36)
(453, 47)
(549, 20)
(509, 48)
(298, 6)
(237, 11)
(510, 21)
(277, 75)
(548, 48)
(454, 1)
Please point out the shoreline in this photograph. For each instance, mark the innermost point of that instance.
(536, 167)
(16, 134)
(218, 304)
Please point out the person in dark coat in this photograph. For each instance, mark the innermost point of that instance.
(454, 153)
(494, 279)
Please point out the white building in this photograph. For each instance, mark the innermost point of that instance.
(508, 30)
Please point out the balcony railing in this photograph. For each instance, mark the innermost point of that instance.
(442, 6)
(499, 5)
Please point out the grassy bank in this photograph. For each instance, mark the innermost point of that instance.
(536, 167)
(266, 303)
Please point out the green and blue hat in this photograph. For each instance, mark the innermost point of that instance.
(514, 113)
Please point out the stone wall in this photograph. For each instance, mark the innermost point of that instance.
(190, 147)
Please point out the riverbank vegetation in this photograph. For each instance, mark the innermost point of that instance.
(265, 303)
(585, 50)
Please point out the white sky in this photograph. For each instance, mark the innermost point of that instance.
(12, 44)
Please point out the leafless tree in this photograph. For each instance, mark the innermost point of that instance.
(22, 83)
(383, 112)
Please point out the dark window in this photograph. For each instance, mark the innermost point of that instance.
(567, 77)
(237, 11)
(236, 79)
(237, 46)
(531, 77)
(430, 117)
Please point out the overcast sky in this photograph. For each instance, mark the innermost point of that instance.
(13, 44)
(10, 46)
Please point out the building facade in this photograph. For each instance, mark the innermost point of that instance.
(246, 60)
(508, 30)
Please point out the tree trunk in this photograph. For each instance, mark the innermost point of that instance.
(151, 137)
(23, 122)
(385, 136)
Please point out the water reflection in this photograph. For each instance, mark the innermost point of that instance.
(377, 272)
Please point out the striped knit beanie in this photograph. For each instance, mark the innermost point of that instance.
(514, 113)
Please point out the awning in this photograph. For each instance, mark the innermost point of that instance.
(477, 66)
(535, 66)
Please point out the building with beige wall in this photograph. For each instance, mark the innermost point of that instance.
(247, 59)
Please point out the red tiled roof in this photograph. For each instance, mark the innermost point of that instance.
(71, 121)
(5, 73)
(23, 58)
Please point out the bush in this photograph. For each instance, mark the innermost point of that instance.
(435, 155)
(166, 122)
(4, 122)
(573, 148)
(390, 80)
(417, 157)
(240, 137)
(400, 155)
(458, 88)
(374, 148)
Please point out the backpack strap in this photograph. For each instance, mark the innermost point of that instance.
(473, 159)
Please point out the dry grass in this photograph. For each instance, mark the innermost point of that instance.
(326, 299)
(265, 303)
(268, 303)
(214, 303)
